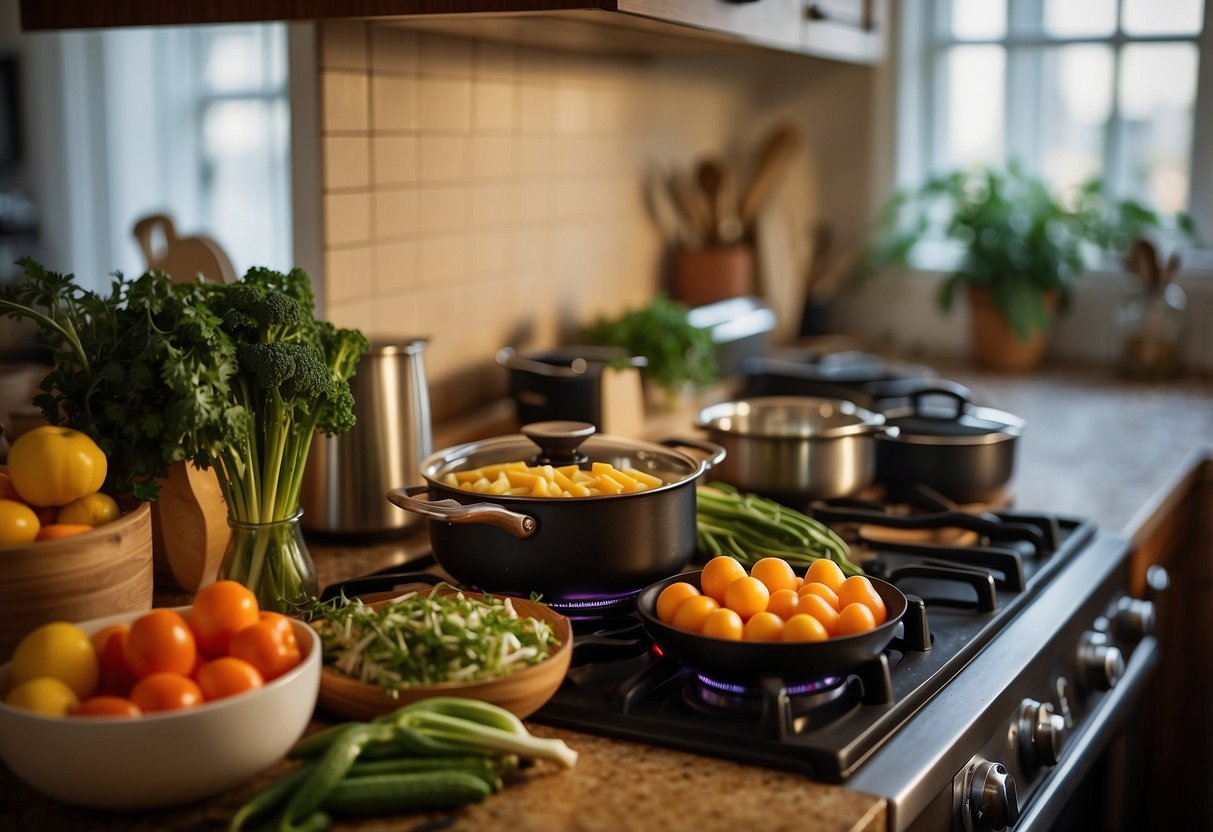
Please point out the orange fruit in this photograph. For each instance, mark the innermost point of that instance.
(763, 626)
(166, 692)
(859, 590)
(825, 571)
(855, 618)
(723, 623)
(693, 613)
(55, 531)
(775, 573)
(804, 627)
(820, 609)
(221, 610)
(107, 706)
(717, 574)
(818, 588)
(671, 599)
(783, 603)
(747, 597)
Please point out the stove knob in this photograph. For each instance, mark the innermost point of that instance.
(1100, 663)
(992, 802)
(1133, 619)
(1042, 733)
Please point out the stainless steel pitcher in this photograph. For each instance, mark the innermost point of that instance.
(347, 477)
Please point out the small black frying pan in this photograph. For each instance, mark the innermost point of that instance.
(746, 662)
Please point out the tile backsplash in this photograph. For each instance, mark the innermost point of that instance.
(487, 194)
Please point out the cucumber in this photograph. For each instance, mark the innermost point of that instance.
(383, 793)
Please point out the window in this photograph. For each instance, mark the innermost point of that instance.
(1069, 89)
(190, 121)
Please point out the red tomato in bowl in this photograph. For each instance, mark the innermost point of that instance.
(166, 692)
(221, 610)
(269, 645)
(227, 676)
(161, 642)
(116, 675)
(107, 706)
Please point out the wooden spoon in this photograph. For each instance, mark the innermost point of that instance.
(776, 155)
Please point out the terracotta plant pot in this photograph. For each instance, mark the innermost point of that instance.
(706, 275)
(996, 345)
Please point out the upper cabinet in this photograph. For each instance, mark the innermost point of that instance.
(846, 30)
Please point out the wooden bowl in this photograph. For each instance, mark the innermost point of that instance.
(522, 692)
(103, 572)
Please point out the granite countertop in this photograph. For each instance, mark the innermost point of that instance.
(1095, 447)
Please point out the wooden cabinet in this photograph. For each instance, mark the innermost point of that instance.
(849, 30)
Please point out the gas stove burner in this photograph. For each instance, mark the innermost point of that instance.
(591, 609)
(715, 696)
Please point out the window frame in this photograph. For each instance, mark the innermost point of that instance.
(923, 32)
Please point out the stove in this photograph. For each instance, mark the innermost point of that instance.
(1014, 643)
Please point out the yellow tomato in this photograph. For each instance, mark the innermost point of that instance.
(717, 574)
(90, 510)
(776, 573)
(825, 571)
(693, 613)
(747, 597)
(44, 695)
(60, 650)
(723, 623)
(804, 627)
(671, 599)
(763, 626)
(53, 465)
(18, 523)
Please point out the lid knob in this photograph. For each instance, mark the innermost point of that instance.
(558, 441)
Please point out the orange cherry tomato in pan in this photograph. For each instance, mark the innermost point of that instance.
(166, 692)
(269, 645)
(107, 706)
(161, 642)
(227, 676)
(859, 590)
(221, 610)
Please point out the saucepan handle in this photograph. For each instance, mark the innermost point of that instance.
(715, 453)
(452, 511)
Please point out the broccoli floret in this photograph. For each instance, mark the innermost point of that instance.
(278, 310)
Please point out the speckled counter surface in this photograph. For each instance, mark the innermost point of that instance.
(1094, 447)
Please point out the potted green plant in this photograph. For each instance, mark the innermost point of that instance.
(1022, 248)
(680, 355)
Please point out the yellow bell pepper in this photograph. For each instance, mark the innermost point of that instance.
(53, 465)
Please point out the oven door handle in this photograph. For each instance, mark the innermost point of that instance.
(1086, 747)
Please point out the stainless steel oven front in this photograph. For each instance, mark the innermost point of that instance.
(1008, 742)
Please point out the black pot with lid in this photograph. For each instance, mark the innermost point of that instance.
(943, 441)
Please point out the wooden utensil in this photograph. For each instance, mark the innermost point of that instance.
(691, 204)
(776, 155)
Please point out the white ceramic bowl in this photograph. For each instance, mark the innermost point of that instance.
(163, 758)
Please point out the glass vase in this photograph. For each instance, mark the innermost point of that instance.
(273, 560)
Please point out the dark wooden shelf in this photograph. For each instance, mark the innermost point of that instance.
(633, 26)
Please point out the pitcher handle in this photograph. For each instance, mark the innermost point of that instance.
(452, 511)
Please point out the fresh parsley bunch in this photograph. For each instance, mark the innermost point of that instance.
(145, 370)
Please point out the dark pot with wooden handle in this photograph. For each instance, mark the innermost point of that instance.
(564, 548)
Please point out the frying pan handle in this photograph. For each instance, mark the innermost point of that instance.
(452, 511)
(715, 453)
